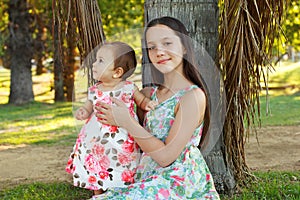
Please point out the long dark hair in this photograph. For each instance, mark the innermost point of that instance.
(190, 66)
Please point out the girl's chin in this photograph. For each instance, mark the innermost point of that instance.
(165, 70)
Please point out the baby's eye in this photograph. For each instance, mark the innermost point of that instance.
(151, 47)
(100, 60)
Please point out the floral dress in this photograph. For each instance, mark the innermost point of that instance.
(104, 156)
(188, 177)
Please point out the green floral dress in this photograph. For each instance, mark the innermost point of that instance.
(188, 177)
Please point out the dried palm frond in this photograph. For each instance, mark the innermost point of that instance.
(83, 19)
(247, 32)
(90, 28)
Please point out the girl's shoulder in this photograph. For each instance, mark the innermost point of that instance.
(193, 95)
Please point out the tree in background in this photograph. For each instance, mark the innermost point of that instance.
(4, 33)
(291, 28)
(58, 57)
(121, 15)
(38, 35)
(42, 37)
(20, 51)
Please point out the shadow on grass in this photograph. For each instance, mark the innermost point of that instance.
(37, 123)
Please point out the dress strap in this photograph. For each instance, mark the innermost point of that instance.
(183, 91)
(152, 92)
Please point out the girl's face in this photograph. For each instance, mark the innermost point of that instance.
(164, 48)
(103, 67)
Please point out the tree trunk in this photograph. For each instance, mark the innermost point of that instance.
(70, 65)
(201, 19)
(39, 46)
(20, 50)
(58, 52)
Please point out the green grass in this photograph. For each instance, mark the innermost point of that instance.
(271, 185)
(287, 75)
(282, 110)
(45, 191)
(281, 106)
(37, 123)
(268, 185)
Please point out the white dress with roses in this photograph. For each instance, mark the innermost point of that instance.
(105, 156)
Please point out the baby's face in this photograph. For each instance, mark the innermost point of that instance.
(103, 67)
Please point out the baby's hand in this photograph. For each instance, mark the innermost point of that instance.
(82, 114)
(151, 105)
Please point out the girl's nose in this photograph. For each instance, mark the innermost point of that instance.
(160, 51)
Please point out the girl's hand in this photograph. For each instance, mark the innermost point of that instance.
(151, 105)
(116, 115)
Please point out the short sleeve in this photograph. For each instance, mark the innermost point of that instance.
(92, 92)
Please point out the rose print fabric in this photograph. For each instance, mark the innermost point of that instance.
(188, 177)
(104, 156)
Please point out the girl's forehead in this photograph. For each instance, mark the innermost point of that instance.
(159, 32)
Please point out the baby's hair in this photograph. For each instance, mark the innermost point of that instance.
(124, 57)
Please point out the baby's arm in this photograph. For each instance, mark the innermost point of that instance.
(142, 101)
(84, 111)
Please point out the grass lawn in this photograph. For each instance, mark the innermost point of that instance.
(268, 185)
(46, 123)
(37, 123)
(45, 191)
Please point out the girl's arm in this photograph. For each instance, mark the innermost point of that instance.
(141, 112)
(143, 101)
(189, 115)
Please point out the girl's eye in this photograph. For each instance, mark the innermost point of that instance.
(167, 43)
(100, 60)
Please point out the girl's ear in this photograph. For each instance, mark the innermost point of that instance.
(118, 72)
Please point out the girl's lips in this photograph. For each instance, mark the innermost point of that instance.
(163, 61)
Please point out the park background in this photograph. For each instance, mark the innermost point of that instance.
(36, 138)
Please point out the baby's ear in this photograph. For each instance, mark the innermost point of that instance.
(118, 72)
